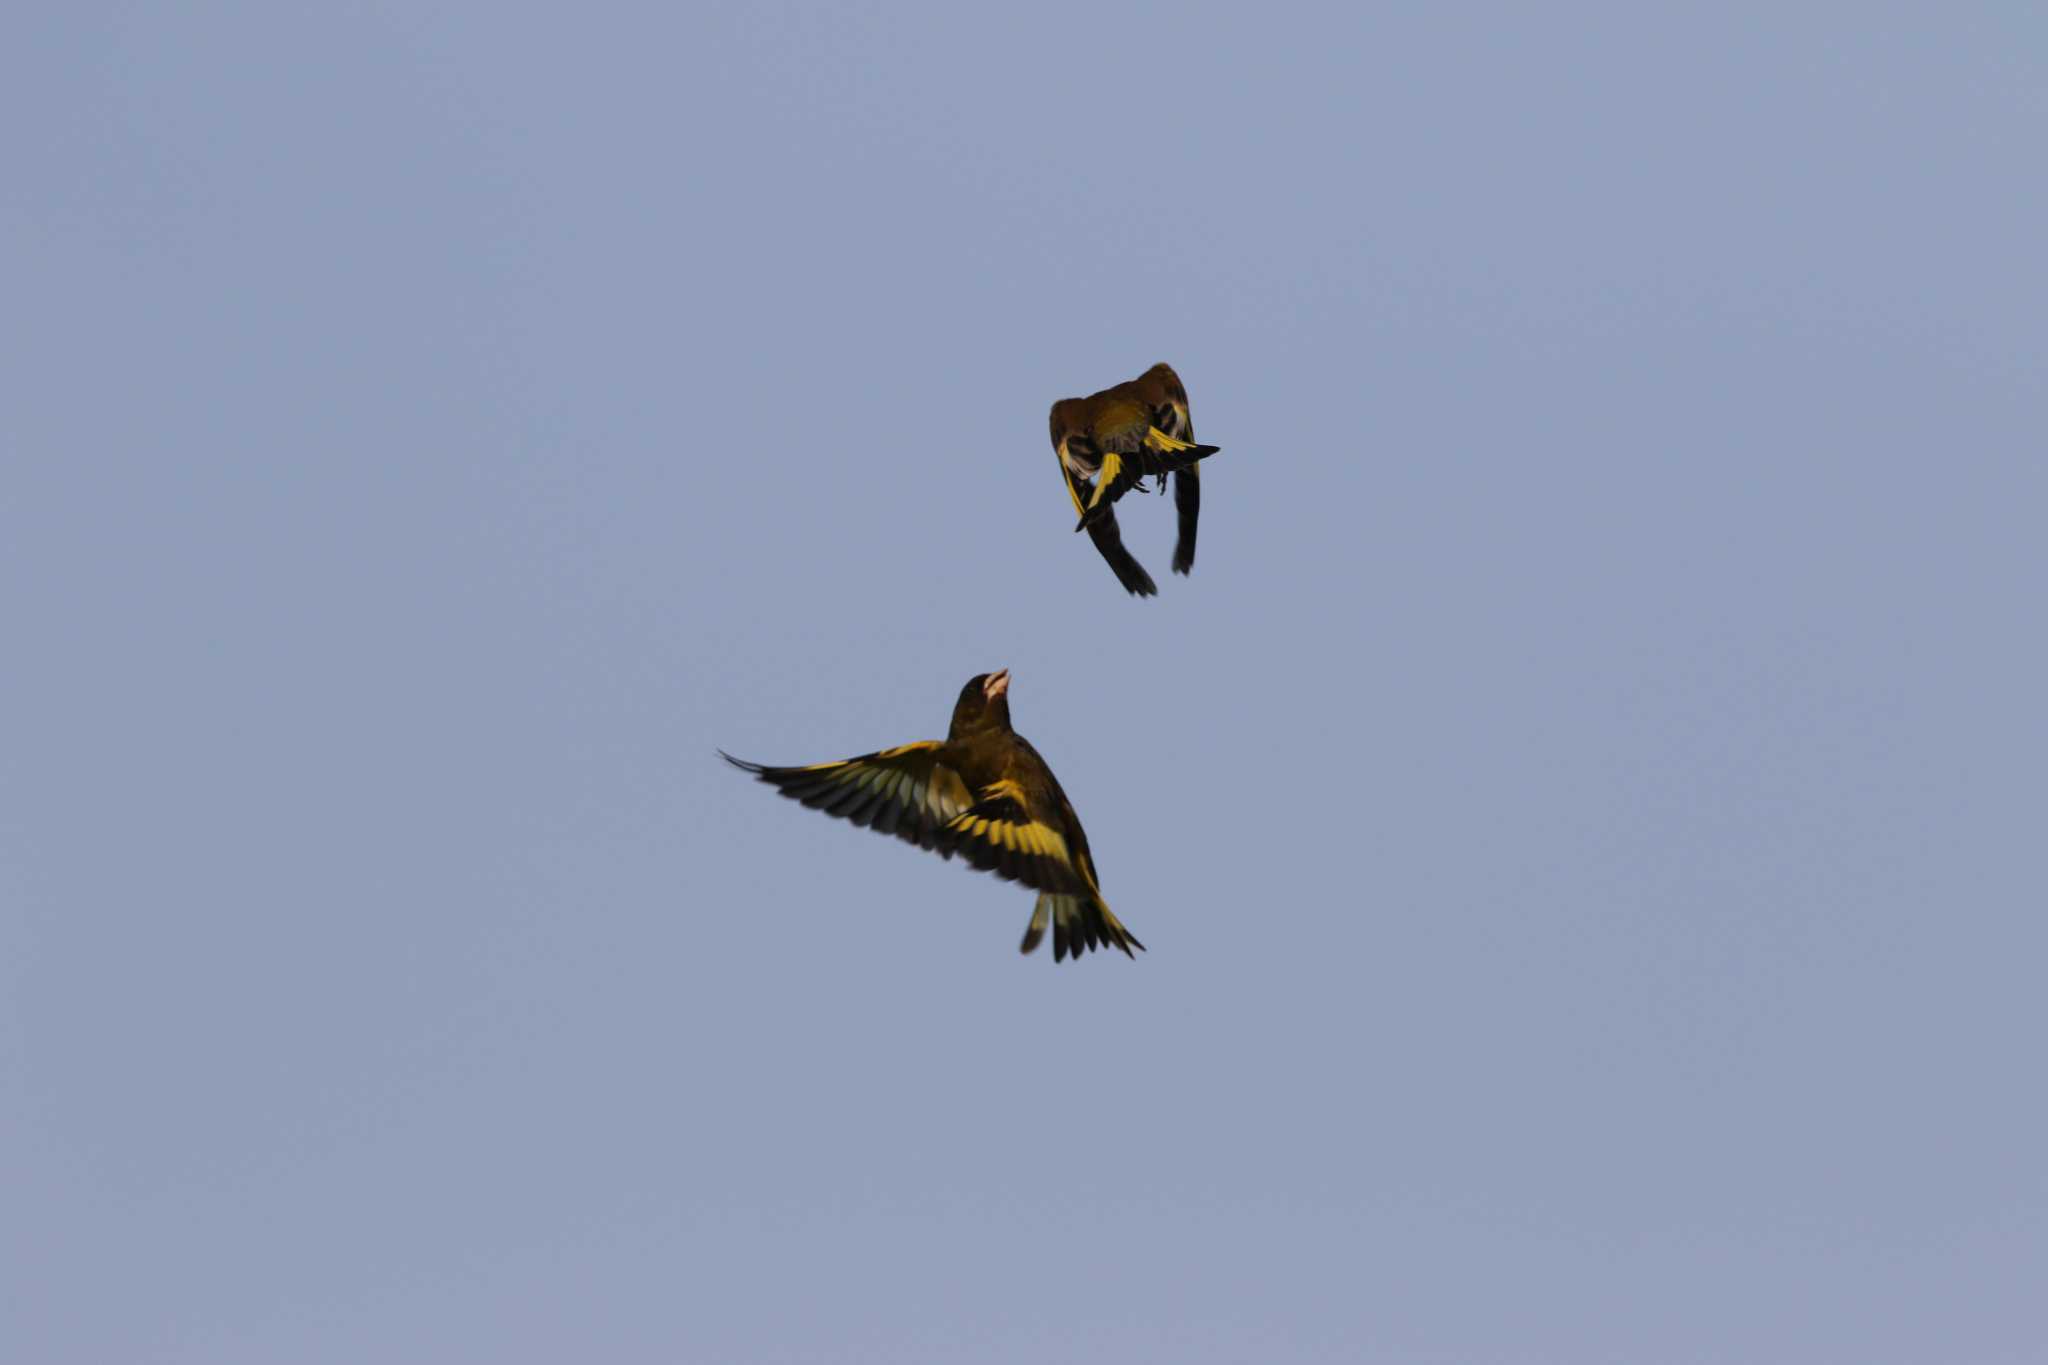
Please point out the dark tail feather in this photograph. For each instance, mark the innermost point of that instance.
(1187, 500)
(1112, 932)
(1079, 923)
(1035, 931)
(1110, 543)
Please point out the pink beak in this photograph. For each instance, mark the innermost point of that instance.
(998, 683)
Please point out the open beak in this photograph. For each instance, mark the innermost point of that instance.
(998, 683)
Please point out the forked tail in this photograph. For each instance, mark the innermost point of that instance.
(1079, 922)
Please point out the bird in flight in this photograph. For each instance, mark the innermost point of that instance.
(983, 793)
(1110, 442)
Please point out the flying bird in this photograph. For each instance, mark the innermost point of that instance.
(983, 793)
(1109, 442)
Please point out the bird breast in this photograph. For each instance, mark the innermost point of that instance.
(1121, 425)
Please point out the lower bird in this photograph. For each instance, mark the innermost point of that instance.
(1109, 442)
(983, 793)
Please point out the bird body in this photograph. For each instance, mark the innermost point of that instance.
(1109, 442)
(983, 793)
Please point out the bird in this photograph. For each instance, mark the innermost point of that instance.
(984, 793)
(1109, 442)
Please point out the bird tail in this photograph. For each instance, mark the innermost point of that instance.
(1079, 922)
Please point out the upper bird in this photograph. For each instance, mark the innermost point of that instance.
(1109, 441)
(983, 793)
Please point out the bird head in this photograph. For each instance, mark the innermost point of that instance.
(1066, 419)
(984, 703)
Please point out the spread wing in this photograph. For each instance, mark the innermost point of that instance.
(1002, 835)
(1075, 487)
(1187, 490)
(1109, 541)
(905, 791)
(999, 833)
(910, 793)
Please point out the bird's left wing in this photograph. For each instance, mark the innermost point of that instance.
(1075, 488)
(906, 791)
(1109, 543)
(1000, 833)
(1187, 489)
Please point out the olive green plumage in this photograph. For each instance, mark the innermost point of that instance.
(1109, 441)
(982, 793)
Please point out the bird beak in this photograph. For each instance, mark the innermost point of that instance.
(998, 683)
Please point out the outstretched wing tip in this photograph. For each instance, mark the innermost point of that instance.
(1066, 474)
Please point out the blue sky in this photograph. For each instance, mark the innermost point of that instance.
(1584, 808)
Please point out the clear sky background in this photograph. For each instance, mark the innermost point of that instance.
(1586, 808)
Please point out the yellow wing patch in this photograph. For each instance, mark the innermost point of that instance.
(905, 778)
(1112, 465)
(1165, 444)
(1067, 478)
(918, 747)
(1037, 839)
(915, 747)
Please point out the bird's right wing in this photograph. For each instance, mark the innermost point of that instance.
(1187, 490)
(1074, 485)
(1157, 453)
(1109, 541)
(905, 791)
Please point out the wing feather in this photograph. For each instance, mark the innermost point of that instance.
(1157, 453)
(999, 834)
(1068, 476)
(906, 791)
